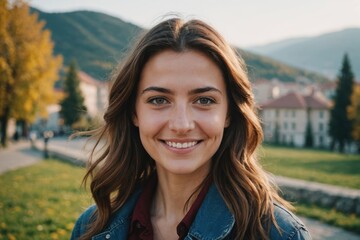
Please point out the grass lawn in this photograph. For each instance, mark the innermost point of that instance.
(330, 216)
(41, 201)
(312, 165)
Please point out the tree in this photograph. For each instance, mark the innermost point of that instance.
(28, 68)
(277, 134)
(354, 115)
(72, 106)
(309, 139)
(340, 124)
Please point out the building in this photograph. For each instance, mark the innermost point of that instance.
(285, 119)
(95, 94)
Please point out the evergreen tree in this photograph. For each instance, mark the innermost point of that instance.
(309, 140)
(277, 134)
(28, 68)
(340, 124)
(72, 106)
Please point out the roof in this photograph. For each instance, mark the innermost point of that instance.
(84, 77)
(294, 100)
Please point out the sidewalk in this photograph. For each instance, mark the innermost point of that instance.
(18, 155)
(21, 155)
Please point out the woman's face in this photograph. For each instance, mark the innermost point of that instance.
(181, 111)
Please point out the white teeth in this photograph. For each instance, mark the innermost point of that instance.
(181, 145)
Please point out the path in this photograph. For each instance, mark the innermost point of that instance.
(18, 155)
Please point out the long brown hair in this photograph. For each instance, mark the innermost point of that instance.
(124, 163)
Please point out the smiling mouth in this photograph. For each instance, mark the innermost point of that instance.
(181, 145)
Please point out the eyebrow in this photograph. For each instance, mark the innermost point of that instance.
(156, 89)
(191, 92)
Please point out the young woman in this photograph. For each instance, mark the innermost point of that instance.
(179, 137)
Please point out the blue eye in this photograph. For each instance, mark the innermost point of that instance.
(205, 101)
(158, 101)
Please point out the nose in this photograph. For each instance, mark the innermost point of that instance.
(181, 120)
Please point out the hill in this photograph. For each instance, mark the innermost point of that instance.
(264, 67)
(97, 40)
(322, 54)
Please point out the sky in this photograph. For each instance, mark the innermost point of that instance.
(244, 23)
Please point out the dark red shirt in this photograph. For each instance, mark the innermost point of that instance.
(141, 227)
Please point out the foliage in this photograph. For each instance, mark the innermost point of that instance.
(354, 115)
(277, 139)
(312, 165)
(309, 139)
(41, 201)
(340, 124)
(72, 106)
(28, 68)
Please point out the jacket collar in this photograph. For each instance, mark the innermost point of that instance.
(213, 219)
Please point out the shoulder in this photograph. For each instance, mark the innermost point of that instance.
(119, 218)
(290, 226)
(82, 222)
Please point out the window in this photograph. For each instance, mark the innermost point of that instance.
(293, 126)
(293, 113)
(285, 125)
(321, 126)
(321, 114)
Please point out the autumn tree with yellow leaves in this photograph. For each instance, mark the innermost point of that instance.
(28, 68)
(354, 115)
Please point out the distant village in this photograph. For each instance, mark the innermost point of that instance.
(286, 109)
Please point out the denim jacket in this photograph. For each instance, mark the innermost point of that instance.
(213, 221)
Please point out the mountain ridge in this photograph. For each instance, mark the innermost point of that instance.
(322, 53)
(98, 41)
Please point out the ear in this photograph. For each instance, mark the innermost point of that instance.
(135, 120)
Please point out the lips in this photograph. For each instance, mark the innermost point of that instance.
(181, 145)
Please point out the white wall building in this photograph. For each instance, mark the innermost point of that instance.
(285, 119)
(95, 94)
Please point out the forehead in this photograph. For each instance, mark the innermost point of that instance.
(191, 66)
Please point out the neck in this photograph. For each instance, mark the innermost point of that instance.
(172, 193)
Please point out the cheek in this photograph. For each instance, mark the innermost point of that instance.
(212, 124)
(148, 122)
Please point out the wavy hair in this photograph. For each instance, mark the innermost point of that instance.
(124, 164)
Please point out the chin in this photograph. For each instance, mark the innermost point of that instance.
(184, 168)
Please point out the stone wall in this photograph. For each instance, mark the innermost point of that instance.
(327, 196)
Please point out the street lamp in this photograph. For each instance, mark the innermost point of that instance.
(47, 135)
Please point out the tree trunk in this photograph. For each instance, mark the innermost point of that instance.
(341, 146)
(24, 128)
(4, 124)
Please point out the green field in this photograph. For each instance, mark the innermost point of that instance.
(312, 165)
(41, 201)
(44, 200)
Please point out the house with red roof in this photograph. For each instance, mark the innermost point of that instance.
(286, 119)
